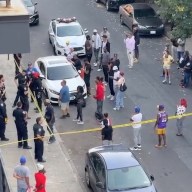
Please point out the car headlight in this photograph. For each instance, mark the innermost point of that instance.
(161, 26)
(60, 46)
(54, 92)
(141, 27)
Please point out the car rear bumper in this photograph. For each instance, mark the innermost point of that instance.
(34, 19)
(151, 32)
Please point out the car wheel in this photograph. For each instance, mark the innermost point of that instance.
(108, 6)
(87, 179)
(121, 20)
(37, 23)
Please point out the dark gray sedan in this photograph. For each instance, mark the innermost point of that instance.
(111, 168)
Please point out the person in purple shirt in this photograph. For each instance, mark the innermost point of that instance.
(160, 126)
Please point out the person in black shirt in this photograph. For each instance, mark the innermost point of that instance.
(106, 132)
(3, 119)
(80, 103)
(87, 75)
(187, 73)
(77, 63)
(38, 88)
(115, 60)
(39, 134)
(19, 79)
(137, 41)
(88, 48)
(111, 87)
(21, 126)
(50, 118)
(23, 90)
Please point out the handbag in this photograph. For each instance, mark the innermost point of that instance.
(123, 87)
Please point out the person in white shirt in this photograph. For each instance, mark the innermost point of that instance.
(130, 46)
(181, 109)
(105, 32)
(96, 44)
(136, 119)
(67, 48)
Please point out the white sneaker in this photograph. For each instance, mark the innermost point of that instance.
(109, 96)
(112, 98)
(95, 64)
(98, 69)
(138, 145)
(130, 67)
(164, 81)
(75, 120)
(116, 109)
(80, 122)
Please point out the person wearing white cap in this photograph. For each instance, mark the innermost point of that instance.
(40, 179)
(96, 44)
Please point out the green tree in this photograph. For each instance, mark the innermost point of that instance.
(179, 14)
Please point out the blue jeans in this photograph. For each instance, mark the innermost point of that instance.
(119, 99)
(96, 54)
(100, 107)
(179, 55)
(186, 79)
(21, 189)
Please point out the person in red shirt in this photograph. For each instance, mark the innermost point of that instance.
(40, 179)
(99, 96)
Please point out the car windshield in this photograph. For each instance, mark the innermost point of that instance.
(28, 3)
(144, 13)
(127, 178)
(71, 30)
(61, 72)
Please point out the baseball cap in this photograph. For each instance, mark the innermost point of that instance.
(137, 109)
(67, 42)
(160, 107)
(115, 68)
(95, 31)
(40, 167)
(23, 160)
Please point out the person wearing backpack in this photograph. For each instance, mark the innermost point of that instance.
(121, 88)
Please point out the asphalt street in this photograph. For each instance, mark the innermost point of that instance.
(171, 167)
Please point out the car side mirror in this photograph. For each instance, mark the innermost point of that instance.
(86, 31)
(35, 3)
(100, 185)
(152, 178)
(51, 34)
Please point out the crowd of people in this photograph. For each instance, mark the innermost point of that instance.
(29, 86)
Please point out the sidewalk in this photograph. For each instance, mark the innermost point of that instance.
(61, 176)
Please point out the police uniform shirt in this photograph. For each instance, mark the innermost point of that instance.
(20, 78)
(22, 89)
(19, 115)
(3, 111)
(38, 130)
(38, 88)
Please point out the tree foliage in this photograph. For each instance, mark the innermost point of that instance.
(179, 13)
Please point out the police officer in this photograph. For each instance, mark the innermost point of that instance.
(3, 119)
(19, 79)
(21, 125)
(17, 59)
(39, 134)
(23, 91)
(50, 118)
(38, 88)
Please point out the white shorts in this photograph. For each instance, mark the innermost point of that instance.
(64, 106)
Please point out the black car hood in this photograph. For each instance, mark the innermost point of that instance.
(149, 21)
